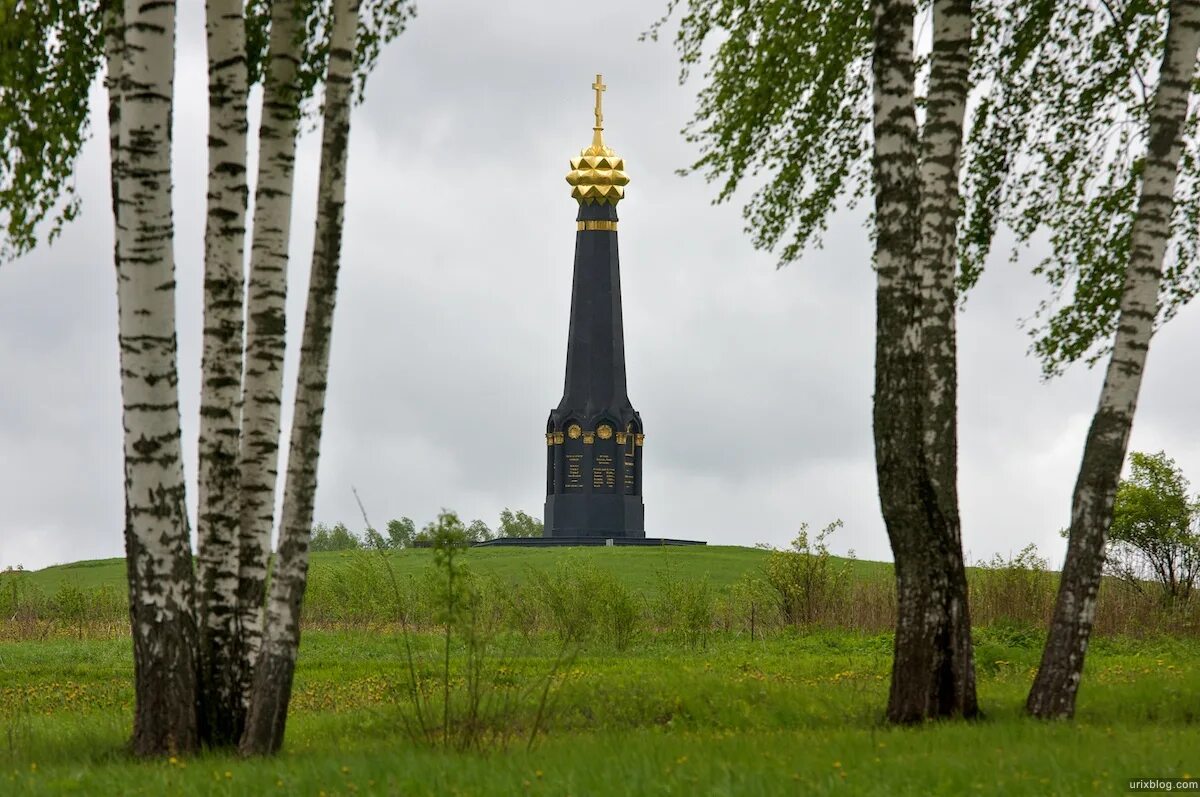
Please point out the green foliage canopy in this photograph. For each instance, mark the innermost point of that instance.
(1056, 151)
(379, 21)
(50, 52)
(400, 533)
(788, 93)
(478, 531)
(1055, 134)
(519, 524)
(1153, 502)
(338, 538)
(1153, 534)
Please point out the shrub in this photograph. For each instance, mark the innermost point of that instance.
(484, 707)
(749, 606)
(684, 607)
(807, 582)
(522, 609)
(20, 600)
(356, 591)
(620, 610)
(566, 593)
(71, 605)
(1014, 591)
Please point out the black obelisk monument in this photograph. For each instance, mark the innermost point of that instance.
(594, 436)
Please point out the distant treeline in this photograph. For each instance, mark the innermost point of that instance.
(403, 533)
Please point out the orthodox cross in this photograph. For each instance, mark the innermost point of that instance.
(599, 87)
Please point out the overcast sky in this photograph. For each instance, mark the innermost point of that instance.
(449, 341)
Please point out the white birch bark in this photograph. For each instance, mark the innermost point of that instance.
(941, 149)
(895, 154)
(914, 412)
(114, 54)
(1057, 682)
(263, 389)
(951, 682)
(157, 539)
(114, 45)
(221, 374)
(277, 660)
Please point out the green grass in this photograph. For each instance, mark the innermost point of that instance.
(88, 574)
(797, 714)
(636, 567)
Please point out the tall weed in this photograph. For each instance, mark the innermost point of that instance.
(481, 707)
(684, 607)
(1014, 591)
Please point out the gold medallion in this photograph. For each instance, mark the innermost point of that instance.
(574, 432)
(604, 431)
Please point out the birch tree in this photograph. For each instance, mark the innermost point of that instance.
(277, 659)
(824, 98)
(266, 329)
(299, 42)
(311, 44)
(1057, 681)
(192, 684)
(916, 382)
(1096, 113)
(158, 552)
(219, 480)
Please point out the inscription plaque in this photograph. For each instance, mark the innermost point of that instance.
(574, 471)
(603, 474)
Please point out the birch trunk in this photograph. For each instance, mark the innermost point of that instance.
(1057, 682)
(263, 387)
(114, 52)
(277, 660)
(915, 412)
(221, 708)
(158, 551)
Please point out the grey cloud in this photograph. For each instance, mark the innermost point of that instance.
(449, 342)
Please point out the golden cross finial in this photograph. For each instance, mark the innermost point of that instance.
(599, 87)
(598, 174)
(597, 135)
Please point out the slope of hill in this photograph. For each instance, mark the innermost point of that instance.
(636, 567)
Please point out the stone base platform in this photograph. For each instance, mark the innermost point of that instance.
(556, 542)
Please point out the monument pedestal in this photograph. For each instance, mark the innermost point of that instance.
(595, 515)
(555, 542)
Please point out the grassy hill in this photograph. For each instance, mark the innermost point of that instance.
(637, 568)
(675, 691)
(353, 587)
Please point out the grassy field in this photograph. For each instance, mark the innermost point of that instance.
(674, 708)
(796, 714)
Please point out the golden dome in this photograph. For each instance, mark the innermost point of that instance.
(598, 174)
